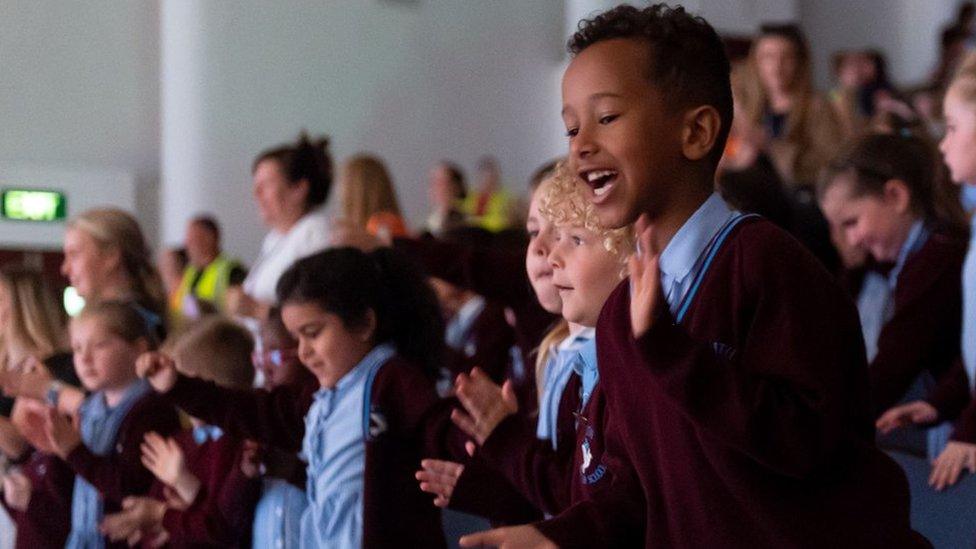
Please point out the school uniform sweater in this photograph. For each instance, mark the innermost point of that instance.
(747, 425)
(498, 274)
(483, 341)
(923, 333)
(223, 510)
(46, 521)
(409, 423)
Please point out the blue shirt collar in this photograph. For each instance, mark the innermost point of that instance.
(380, 354)
(680, 255)
(917, 236)
(587, 355)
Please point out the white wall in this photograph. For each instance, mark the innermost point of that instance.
(906, 30)
(79, 89)
(413, 82)
(84, 189)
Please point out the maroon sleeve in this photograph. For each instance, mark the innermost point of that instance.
(778, 391)
(483, 491)
(121, 473)
(47, 520)
(951, 396)
(395, 511)
(924, 332)
(540, 473)
(276, 418)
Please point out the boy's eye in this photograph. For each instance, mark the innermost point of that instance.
(608, 118)
(577, 241)
(534, 234)
(571, 132)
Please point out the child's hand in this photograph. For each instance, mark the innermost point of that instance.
(439, 478)
(62, 436)
(486, 404)
(522, 537)
(251, 459)
(159, 369)
(17, 490)
(947, 468)
(645, 278)
(913, 413)
(164, 458)
(31, 380)
(138, 515)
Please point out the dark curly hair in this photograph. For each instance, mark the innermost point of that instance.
(688, 63)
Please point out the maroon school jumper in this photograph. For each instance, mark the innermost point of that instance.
(497, 274)
(923, 333)
(492, 340)
(952, 399)
(396, 513)
(46, 522)
(749, 424)
(121, 473)
(538, 472)
(223, 511)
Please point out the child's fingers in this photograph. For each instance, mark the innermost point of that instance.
(489, 538)
(152, 438)
(508, 396)
(465, 423)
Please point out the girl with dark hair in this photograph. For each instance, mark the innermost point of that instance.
(368, 327)
(882, 196)
(291, 187)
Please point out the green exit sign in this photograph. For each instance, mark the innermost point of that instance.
(33, 205)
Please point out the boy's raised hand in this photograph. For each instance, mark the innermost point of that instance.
(157, 368)
(486, 404)
(439, 478)
(913, 413)
(63, 437)
(645, 278)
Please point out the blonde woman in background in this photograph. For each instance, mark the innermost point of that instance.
(106, 257)
(802, 130)
(32, 335)
(368, 199)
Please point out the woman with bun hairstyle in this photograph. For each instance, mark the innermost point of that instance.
(291, 188)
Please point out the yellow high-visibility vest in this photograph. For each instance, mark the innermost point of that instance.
(212, 286)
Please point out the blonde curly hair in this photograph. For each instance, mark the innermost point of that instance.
(563, 203)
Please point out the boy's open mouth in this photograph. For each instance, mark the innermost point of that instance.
(601, 181)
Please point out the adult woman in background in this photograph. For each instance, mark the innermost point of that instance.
(106, 257)
(32, 335)
(801, 128)
(368, 198)
(291, 187)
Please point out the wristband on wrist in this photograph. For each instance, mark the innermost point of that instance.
(53, 392)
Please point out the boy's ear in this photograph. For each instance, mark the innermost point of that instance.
(700, 129)
(896, 193)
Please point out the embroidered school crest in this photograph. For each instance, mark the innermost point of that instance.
(377, 423)
(590, 476)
